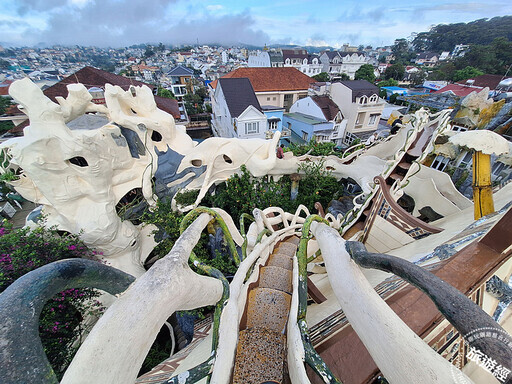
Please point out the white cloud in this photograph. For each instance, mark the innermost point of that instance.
(215, 7)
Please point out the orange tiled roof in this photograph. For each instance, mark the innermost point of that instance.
(272, 79)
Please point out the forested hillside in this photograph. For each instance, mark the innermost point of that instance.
(444, 37)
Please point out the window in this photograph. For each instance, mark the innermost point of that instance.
(373, 118)
(304, 136)
(251, 128)
(373, 99)
(360, 118)
(268, 98)
(498, 167)
(349, 138)
(274, 98)
(272, 125)
(440, 162)
(466, 161)
(363, 100)
(459, 128)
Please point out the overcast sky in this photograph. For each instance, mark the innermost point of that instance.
(119, 23)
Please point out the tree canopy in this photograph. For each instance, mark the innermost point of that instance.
(466, 73)
(365, 72)
(444, 37)
(322, 76)
(395, 71)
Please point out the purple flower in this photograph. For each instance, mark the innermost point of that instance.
(72, 247)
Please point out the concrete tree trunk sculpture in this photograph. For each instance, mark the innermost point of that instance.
(484, 143)
(399, 353)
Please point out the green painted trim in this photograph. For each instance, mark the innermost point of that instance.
(317, 253)
(312, 357)
(213, 272)
(263, 233)
(192, 215)
(193, 375)
(242, 232)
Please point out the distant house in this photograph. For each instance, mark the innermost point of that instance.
(490, 81)
(311, 65)
(428, 59)
(361, 105)
(294, 57)
(180, 77)
(266, 59)
(96, 79)
(278, 87)
(459, 50)
(444, 56)
(236, 110)
(336, 63)
(323, 120)
(460, 90)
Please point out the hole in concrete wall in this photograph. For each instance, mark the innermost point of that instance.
(329, 168)
(197, 162)
(156, 136)
(132, 206)
(131, 109)
(79, 161)
(227, 159)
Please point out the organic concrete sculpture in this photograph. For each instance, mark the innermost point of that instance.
(460, 311)
(413, 360)
(81, 176)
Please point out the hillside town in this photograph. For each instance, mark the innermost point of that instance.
(128, 156)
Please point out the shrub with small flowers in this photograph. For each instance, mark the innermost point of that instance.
(61, 321)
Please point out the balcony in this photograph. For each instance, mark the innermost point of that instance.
(286, 133)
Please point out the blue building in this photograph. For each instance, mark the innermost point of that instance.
(274, 121)
(304, 127)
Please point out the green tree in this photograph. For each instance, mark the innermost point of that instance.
(365, 72)
(388, 83)
(4, 64)
(401, 51)
(322, 76)
(466, 73)
(162, 92)
(417, 78)
(149, 51)
(395, 71)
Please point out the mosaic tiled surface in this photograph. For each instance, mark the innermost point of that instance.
(165, 370)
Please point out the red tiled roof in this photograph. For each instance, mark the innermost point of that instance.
(490, 81)
(459, 90)
(93, 77)
(272, 79)
(4, 87)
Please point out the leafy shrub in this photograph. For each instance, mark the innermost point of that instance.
(60, 323)
(317, 149)
(186, 197)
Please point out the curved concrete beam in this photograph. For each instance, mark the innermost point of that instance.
(400, 354)
(118, 344)
(23, 357)
(460, 311)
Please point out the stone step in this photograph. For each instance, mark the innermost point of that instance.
(276, 278)
(294, 240)
(268, 308)
(260, 356)
(286, 248)
(280, 260)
